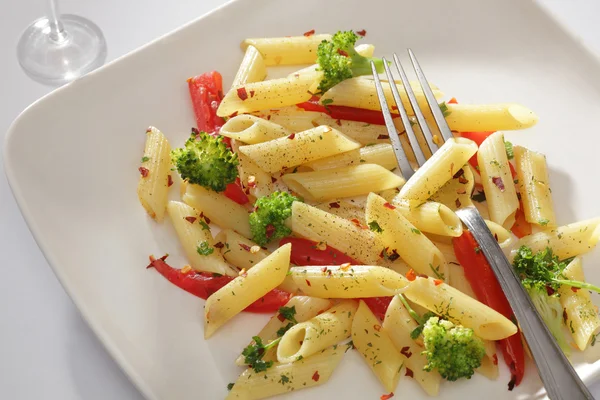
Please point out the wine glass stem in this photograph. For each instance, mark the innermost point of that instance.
(57, 30)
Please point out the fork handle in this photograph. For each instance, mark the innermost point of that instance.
(557, 373)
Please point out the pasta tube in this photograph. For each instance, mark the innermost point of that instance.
(287, 50)
(381, 154)
(489, 117)
(153, 187)
(252, 69)
(431, 217)
(251, 130)
(239, 251)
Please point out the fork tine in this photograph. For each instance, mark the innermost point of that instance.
(415, 106)
(405, 167)
(412, 138)
(438, 115)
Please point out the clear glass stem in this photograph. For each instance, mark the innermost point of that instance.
(57, 31)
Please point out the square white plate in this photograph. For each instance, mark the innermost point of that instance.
(72, 159)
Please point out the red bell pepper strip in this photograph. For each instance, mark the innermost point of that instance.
(378, 305)
(305, 252)
(345, 113)
(478, 138)
(521, 227)
(206, 92)
(204, 284)
(235, 192)
(487, 289)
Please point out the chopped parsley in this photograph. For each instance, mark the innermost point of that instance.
(444, 108)
(326, 103)
(254, 353)
(509, 150)
(374, 226)
(230, 385)
(415, 231)
(144, 159)
(205, 226)
(543, 221)
(204, 249)
(288, 313)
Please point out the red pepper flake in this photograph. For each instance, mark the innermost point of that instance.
(242, 94)
(324, 269)
(144, 171)
(463, 180)
(269, 117)
(405, 351)
(339, 122)
(244, 246)
(498, 182)
(394, 108)
(252, 93)
(461, 191)
(280, 317)
(387, 396)
(169, 181)
(191, 220)
(342, 53)
(453, 101)
(574, 289)
(206, 219)
(411, 275)
(457, 203)
(316, 376)
(292, 136)
(309, 33)
(409, 373)
(270, 230)
(361, 33)
(495, 359)
(233, 114)
(273, 179)
(219, 245)
(308, 283)
(357, 223)
(377, 327)
(393, 256)
(550, 291)
(335, 204)
(565, 316)
(438, 282)
(383, 137)
(496, 237)
(388, 205)
(459, 173)
(423, 276)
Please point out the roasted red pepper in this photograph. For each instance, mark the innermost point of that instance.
(204, 284)
(487, 289)
(345, 113)
(305, 252)
(206, 91)
(235, 192)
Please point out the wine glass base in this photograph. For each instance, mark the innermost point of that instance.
(55, 62)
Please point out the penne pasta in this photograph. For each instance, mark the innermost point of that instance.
(360, 93)
(534, 187)
(293, 119)
(364, 133)
(398, 325)
(398, 236)
(380, 154)
(565, 241)
(153, 187)
(457, 191)
(497, 180)
(505, 238)
(299, 148)
(430, 217)
(376, 348)
(364, 49)
(343, 282)
(342, 182)
(582, 315)
(489, 117)
(197, 240)
(257, 182)
(263, 95)
(439, 169)
(251, 130)
(318, 333)
(238, 294)
(287, 50)
(252, 69)
(306, 308)
(343, 208)
(459, 308)
(337, 232)
(282, 378)
(239, 251)
(224, 212)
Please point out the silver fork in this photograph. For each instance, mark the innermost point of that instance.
(559, 378)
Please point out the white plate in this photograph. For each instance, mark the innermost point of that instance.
(72, 159)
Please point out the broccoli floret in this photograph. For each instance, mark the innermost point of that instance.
(551, 311)
(339, 60)
(454, 351)
(206, 161)
(267, 222)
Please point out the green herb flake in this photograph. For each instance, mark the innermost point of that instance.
(204, 249)
(374, 226)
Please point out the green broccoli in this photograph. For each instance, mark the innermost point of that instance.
(206, 161)
(339, 60)
(267, 222)
(454, 351)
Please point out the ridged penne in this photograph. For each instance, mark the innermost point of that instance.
(337, 232)
(459, 308)
(252, 69)
(343, 208)
(153, 187)
(299, 148)
(221, 210)
(582, 315)
(431, 217)
(497, 180)
(263, 95)
(238, 294)
(250, 129)
(342, 182)
(489, 117)
(287, 50)
(308, 372)
(380, 154)
(565, 241)
(398, 235)
(239, 251)
(318, 333)
(376, 348)
(344, 282)
(438, 170)
(534, 187)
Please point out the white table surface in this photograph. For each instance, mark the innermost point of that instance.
(47, 351)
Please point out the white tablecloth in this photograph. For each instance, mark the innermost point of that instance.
(46, 349)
